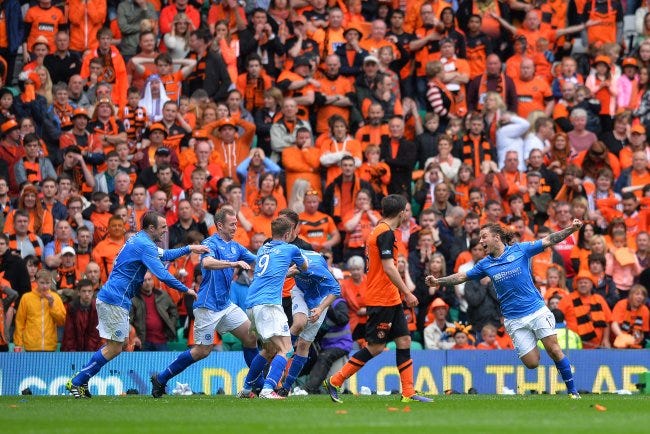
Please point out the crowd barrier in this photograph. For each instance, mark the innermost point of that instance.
(435, 372)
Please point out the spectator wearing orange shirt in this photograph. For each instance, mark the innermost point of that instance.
(299, 84)
(85, 19)
(232, 150)
(359, 222)
(338, 198)
(488, 338)
(317, 228)
(533, 92)
(631, 320)
(231, 11)
(268, 185)
(250, 172)
(531, 30)
(98, 213)
(302, 161)
(335, 145)
(41, 221)
(83, 249)
(214, 171)
(337, 92)
(375, 127)
(42, 19)
(330, 36)
(463, 339)
(587, 314)
(67, 275)
(11, 149)
(106, 250)
(636, 175)
(353, 289)
(168, 12)
(253, 83)
(262, 221)
(114, 67)
(284, 130)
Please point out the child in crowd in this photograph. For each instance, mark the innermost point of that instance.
(462, 336)
(489, 338)
(625, 265)
(555, 283)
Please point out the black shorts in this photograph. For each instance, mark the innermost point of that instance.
(385, 323)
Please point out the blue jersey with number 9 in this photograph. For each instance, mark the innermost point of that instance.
(273, 260)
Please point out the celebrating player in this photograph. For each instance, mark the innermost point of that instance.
(114, 299)
(527, 318)
(264, 307)
(386, 320)
(315, 290)
(213, 309)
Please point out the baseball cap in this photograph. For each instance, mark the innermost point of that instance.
(157, 127)
(371, 58)
(630, 61)
(163, 152)
(80, 111)
(227, 122)
(8, 126)
(439, 302)
(602, 59)
(638, 128)
(67, 250)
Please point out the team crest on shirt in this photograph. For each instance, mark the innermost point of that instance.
(208, 337)
(118, 333)
(285, 328)
(511, 258)
(232, 250)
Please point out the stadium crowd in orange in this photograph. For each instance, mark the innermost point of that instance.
(528, 114)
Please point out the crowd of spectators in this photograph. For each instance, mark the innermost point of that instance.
(527, 114)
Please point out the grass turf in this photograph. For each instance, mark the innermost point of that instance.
(315, 414)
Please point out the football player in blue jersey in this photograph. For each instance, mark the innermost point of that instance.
(315, 290)
(264, 307)
(139, 254)
(213, 309)
(527, 319)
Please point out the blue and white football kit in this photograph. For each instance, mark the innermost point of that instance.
(213, 309)
(527, 319)
(264, 300)
(138, 255)
(312, 286)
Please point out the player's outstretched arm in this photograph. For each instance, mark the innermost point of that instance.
(454, 279)
(153, 263)
(210, 263)
(557, 237)
(173, 254)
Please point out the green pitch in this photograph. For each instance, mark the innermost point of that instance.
(317, 414)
